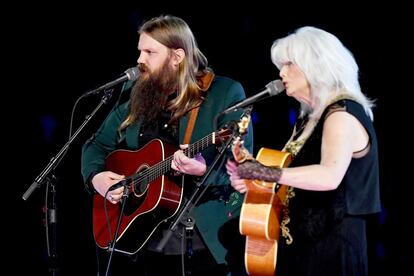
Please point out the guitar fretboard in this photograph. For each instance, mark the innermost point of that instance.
(164, 166)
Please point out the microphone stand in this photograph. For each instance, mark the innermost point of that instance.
(56, 159)
(111, 246)
(50, 209)
(189, 204)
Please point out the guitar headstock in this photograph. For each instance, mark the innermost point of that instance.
(240, 153)
(243, 124)
(233, 128)
(222, 135)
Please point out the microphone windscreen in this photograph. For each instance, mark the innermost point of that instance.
(132, 73)
(275, 87)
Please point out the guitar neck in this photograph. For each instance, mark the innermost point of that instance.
(164, 166)
(200, 145)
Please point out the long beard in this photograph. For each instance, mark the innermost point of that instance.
(151, 91)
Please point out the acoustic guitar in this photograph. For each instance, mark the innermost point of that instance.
(154, 193)
(261, 216)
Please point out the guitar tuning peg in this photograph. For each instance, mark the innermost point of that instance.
(243, 124)
(248, 110)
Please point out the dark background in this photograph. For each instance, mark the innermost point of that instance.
(59, 51)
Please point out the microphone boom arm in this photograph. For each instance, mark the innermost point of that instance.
(54, 161)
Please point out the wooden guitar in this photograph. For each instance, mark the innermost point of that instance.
(261, 216)
(154, 194)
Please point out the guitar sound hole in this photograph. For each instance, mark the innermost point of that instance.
(135, 200)
(141, 182)
(141, 186)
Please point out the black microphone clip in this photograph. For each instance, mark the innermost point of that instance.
(122, 183)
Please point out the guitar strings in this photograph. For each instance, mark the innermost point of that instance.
(163, 166)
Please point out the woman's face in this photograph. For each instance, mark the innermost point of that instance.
(295, 82)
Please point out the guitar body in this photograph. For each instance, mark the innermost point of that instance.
(261, 216)
(148, 204)
(154, 195)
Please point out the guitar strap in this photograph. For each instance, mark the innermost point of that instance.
(190, 125)
(193, 239)
(204, 83)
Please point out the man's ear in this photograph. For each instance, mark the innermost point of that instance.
(178, 56)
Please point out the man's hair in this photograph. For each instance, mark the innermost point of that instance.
(174, 33)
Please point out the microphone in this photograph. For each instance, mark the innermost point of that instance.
(130, 74)
(272, 89)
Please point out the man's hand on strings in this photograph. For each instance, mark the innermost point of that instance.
(183, 164)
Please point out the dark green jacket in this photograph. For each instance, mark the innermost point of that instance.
(213, 212)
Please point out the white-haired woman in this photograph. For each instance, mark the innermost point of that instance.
(334, 178)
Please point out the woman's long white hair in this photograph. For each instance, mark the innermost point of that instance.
(328, 65)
